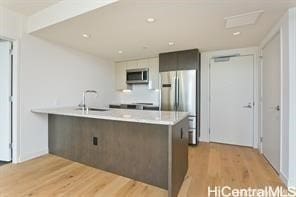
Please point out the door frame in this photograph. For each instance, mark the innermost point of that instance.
(15, 135)
(253, 108)
(205, 89)
(279, 31)
(10, 94)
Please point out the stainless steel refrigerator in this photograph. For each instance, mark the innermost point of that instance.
(179, 93)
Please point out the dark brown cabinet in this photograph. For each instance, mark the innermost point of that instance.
(179, 60)
(168, 61)
(188, 60)
(155, 154)
(180, 153)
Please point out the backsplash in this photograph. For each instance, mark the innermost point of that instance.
(139, 94)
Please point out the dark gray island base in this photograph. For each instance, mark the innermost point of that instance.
(151, 153)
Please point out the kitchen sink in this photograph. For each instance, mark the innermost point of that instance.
(93, 109)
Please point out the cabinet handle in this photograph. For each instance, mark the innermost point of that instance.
(181, 133)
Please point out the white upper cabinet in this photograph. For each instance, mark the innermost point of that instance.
(153, 73)
(150, 63)
(132, 64)
(143, 63)
(120, 74)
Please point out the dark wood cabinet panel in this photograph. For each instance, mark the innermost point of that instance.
(168, 61)
(188, 60)
(179, 60)
(134, 150)
(179, 148)
(153, 154)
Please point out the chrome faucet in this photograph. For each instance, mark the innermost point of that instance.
(83, 105)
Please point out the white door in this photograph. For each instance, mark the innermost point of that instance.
(5, 105)
(231, 100)
(271, 101)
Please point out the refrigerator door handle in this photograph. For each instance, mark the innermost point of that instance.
(178, 93)
(176, 103)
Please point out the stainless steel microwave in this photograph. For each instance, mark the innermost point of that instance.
(134, 76)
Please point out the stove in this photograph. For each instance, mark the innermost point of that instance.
(136, 106)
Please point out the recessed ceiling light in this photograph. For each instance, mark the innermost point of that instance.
(150, 20)
(171, 43)
(120, 52)
(236, 33)
(85, 35)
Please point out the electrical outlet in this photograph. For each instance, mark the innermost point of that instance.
(95, 141)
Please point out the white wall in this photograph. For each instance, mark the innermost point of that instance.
(139, 94)
(5, 109)
(291, 136)
(205, 89)
(51, 76)
(11, 24)
(284, 166)
(48, 75)
(287, 29)
(292, 98)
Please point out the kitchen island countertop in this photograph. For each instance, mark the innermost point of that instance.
(139, 116)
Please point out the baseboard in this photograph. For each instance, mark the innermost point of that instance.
(284, 178)
(201, 139)
(292, 183)
(33, 155)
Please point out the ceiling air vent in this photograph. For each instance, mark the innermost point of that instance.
(249, 18)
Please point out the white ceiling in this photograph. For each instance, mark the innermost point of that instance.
(27, 7)
(189, 23)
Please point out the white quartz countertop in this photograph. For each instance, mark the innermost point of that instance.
(139, 116)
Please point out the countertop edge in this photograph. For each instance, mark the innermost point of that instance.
(103, 117)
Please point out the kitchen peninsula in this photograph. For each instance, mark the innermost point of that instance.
(148, 146)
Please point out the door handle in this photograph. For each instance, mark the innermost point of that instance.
(276, 108)
(178, 103)
(249, 106)
(181, 133)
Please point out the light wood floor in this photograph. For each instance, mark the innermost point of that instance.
(209, 165)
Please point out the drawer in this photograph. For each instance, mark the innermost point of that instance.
(192, 122)
(192, 136)
(115, 106)
(154, 108)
